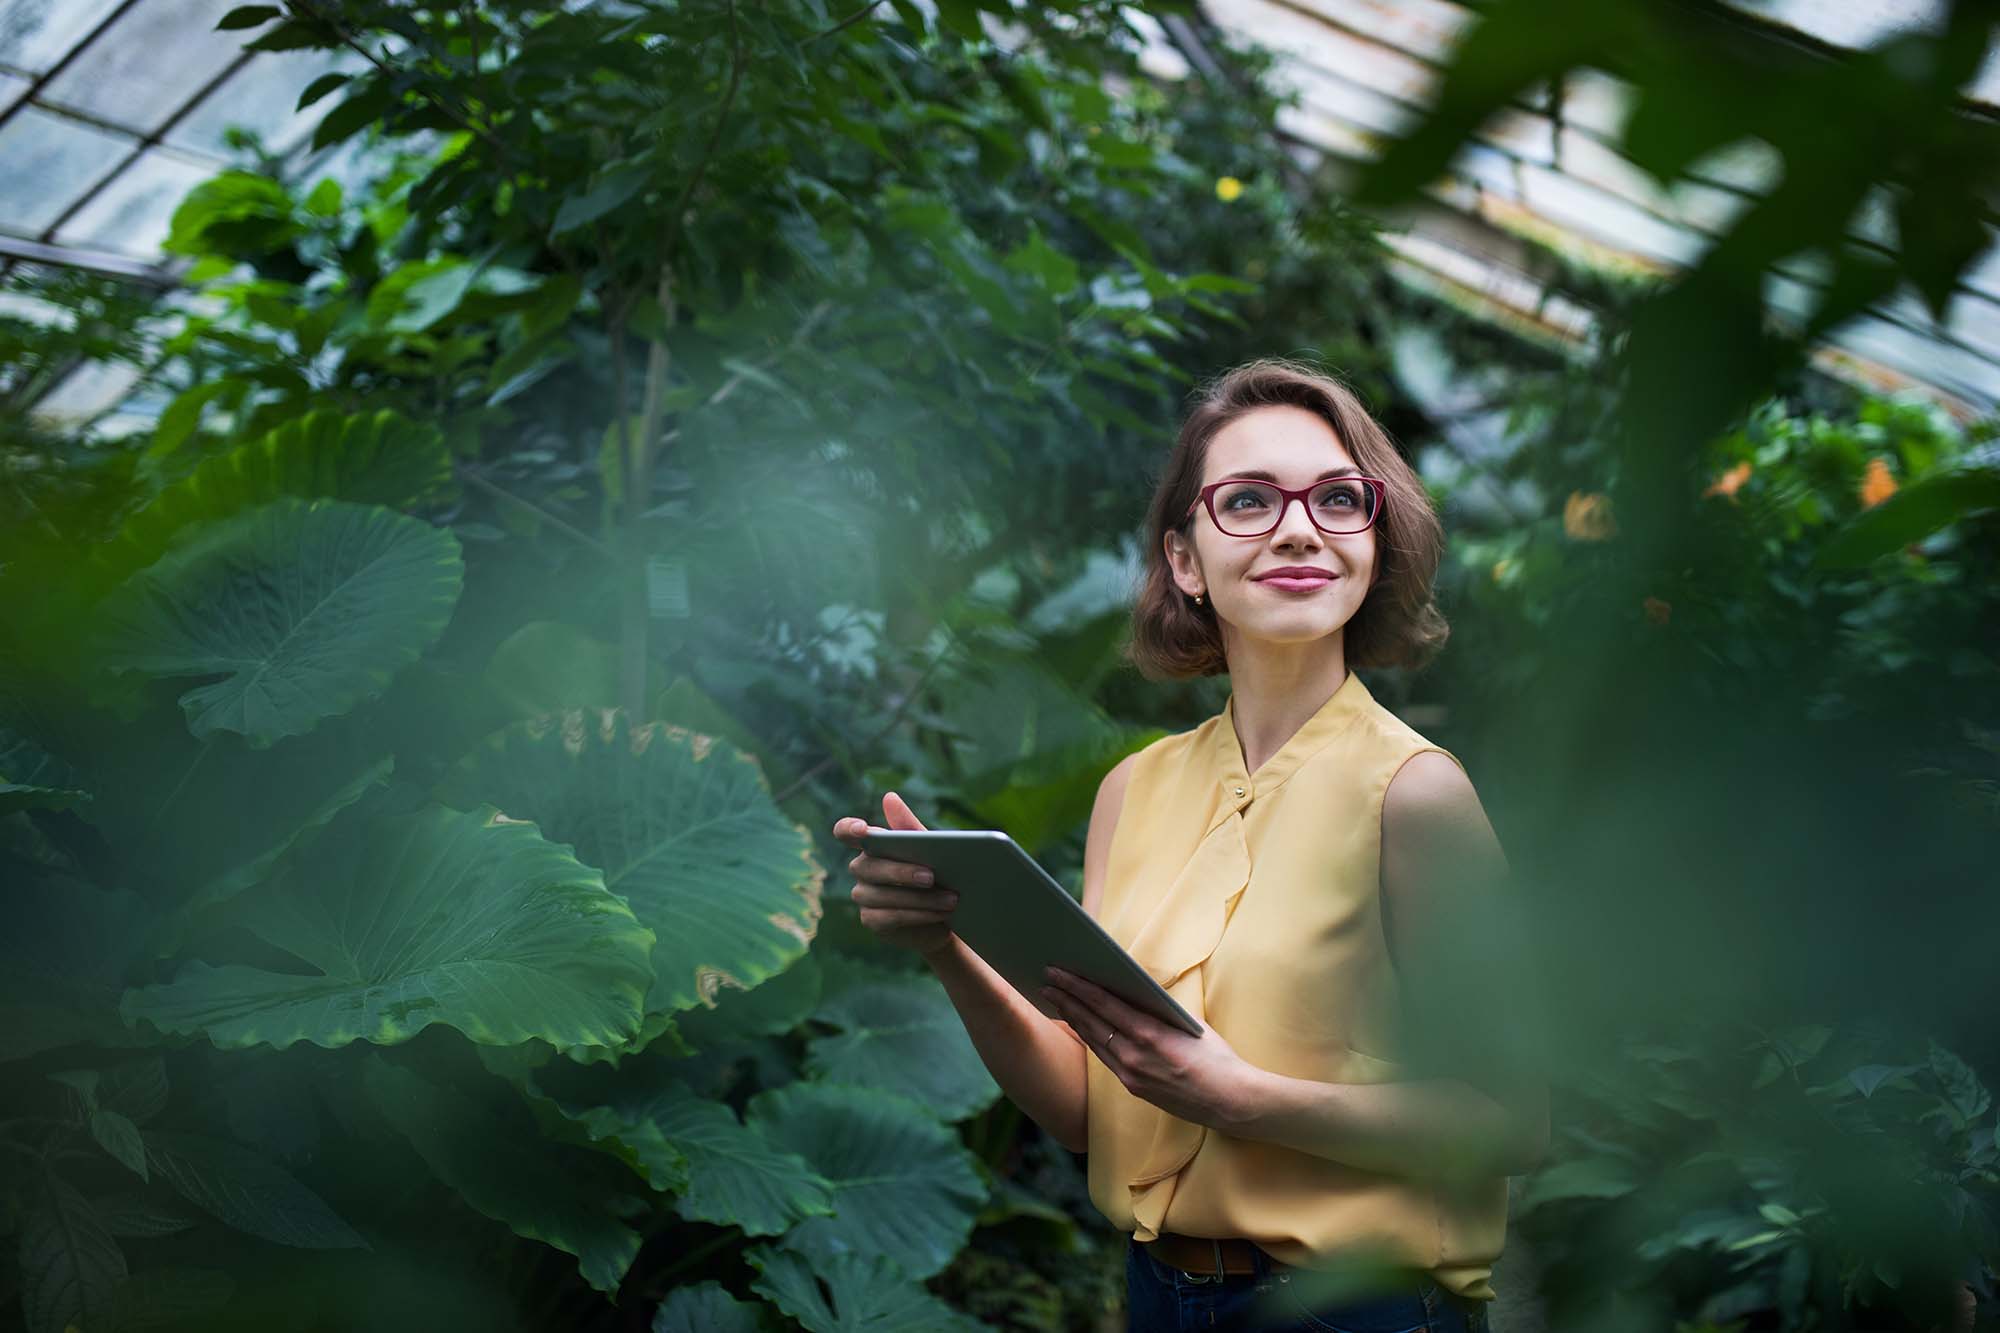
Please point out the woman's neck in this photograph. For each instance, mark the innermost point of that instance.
(1276, 691)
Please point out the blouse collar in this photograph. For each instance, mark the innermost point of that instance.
(1238, 787)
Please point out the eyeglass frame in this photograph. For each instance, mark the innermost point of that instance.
(1205, 498)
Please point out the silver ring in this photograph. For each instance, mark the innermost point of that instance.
(1110, 1037)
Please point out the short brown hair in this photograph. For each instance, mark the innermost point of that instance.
(1397, 625)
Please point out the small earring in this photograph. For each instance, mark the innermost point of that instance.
(1197, 599)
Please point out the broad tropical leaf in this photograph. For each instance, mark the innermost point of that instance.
(904, 1186)
(31, 779)
(899, 1032)
(467, 919)
(378, 458)
(194, 823)
(246, 1191)
(862, 1292)
(768, 1009)
(707, 1307)
(683, 829)
(70, 1265)
(724, 1172)
(304, 608)
(507, 1172)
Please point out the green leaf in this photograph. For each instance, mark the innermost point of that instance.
(371, 104)
(472, 920)
(546, 666)
(118, 1136)
(1910, 515)
(898, 1031)
(707, 1307)
(183, 414)
(607, 190)
(369, 458)
(247, 16)
(136, 1215)
(861, 1294)
(418, 296)
(904, 1187)
(305, 608)
(319, 88)
(195, 822)
(1513, 46)
(769, 1009)
(240, 1188)
(1055, 271)
(507, 1171)
(70, 1265)
(238, 213)
(1582, 1178)
(1870, 1077)
(1963, 1091)
(683, 829)
(728, 1174)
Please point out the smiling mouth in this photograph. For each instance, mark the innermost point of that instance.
(1297, 583)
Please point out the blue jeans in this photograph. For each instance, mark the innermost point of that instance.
(1162, 1299)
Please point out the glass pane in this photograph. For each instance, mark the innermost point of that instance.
(131, 214)
(35, 34)
(148, 64)
(261, 97)
(47, 161)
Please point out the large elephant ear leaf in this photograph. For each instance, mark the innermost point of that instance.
(860, 1292)
(471, 920)
(904, 1187)
(503, 1168)
(707, 1307)
(377, 458)
(682, 827)
(898, 1031)
(304, 608)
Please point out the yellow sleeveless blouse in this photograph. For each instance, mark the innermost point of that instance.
(1254, 900)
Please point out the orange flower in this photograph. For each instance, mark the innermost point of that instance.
(1588, 517)
(1658, 611)
(1730, 482)
(1876, 484)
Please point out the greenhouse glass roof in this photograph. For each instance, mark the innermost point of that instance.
(110, 110)
(1365, 69)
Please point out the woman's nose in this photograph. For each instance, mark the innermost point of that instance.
(1295, 525)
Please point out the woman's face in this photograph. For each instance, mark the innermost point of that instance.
(1294, 448)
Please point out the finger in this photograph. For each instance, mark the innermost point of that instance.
(927, 900)
(1089, 1029)
(1116, 1013)
(877, 917)
(850, 830)
(898, 813)
(883, 870)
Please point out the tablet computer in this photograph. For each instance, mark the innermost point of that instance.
(1014, 914)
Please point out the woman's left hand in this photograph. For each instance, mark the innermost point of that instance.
(1199, 1079)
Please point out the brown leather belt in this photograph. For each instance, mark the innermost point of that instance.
(1201, 1256)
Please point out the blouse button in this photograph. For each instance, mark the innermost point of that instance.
(1239, 791)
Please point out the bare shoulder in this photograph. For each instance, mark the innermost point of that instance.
(1428, 790)
(1433, 825)
(1103, 824)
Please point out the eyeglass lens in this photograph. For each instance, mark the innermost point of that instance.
(1250, 508)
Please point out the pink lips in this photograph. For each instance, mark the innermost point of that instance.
(1297, 579)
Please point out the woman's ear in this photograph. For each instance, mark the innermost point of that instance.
(1183, 564)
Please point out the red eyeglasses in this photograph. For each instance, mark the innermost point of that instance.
(1337, 506)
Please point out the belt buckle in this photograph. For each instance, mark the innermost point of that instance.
(1218, 1275)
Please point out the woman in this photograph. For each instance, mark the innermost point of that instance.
(1308, 877)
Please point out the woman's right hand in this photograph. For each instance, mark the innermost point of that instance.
(896, 899)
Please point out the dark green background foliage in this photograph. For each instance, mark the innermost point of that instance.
(419, 749)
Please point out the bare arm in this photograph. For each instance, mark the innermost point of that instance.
(1474, 1015)
(1037, 1061)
